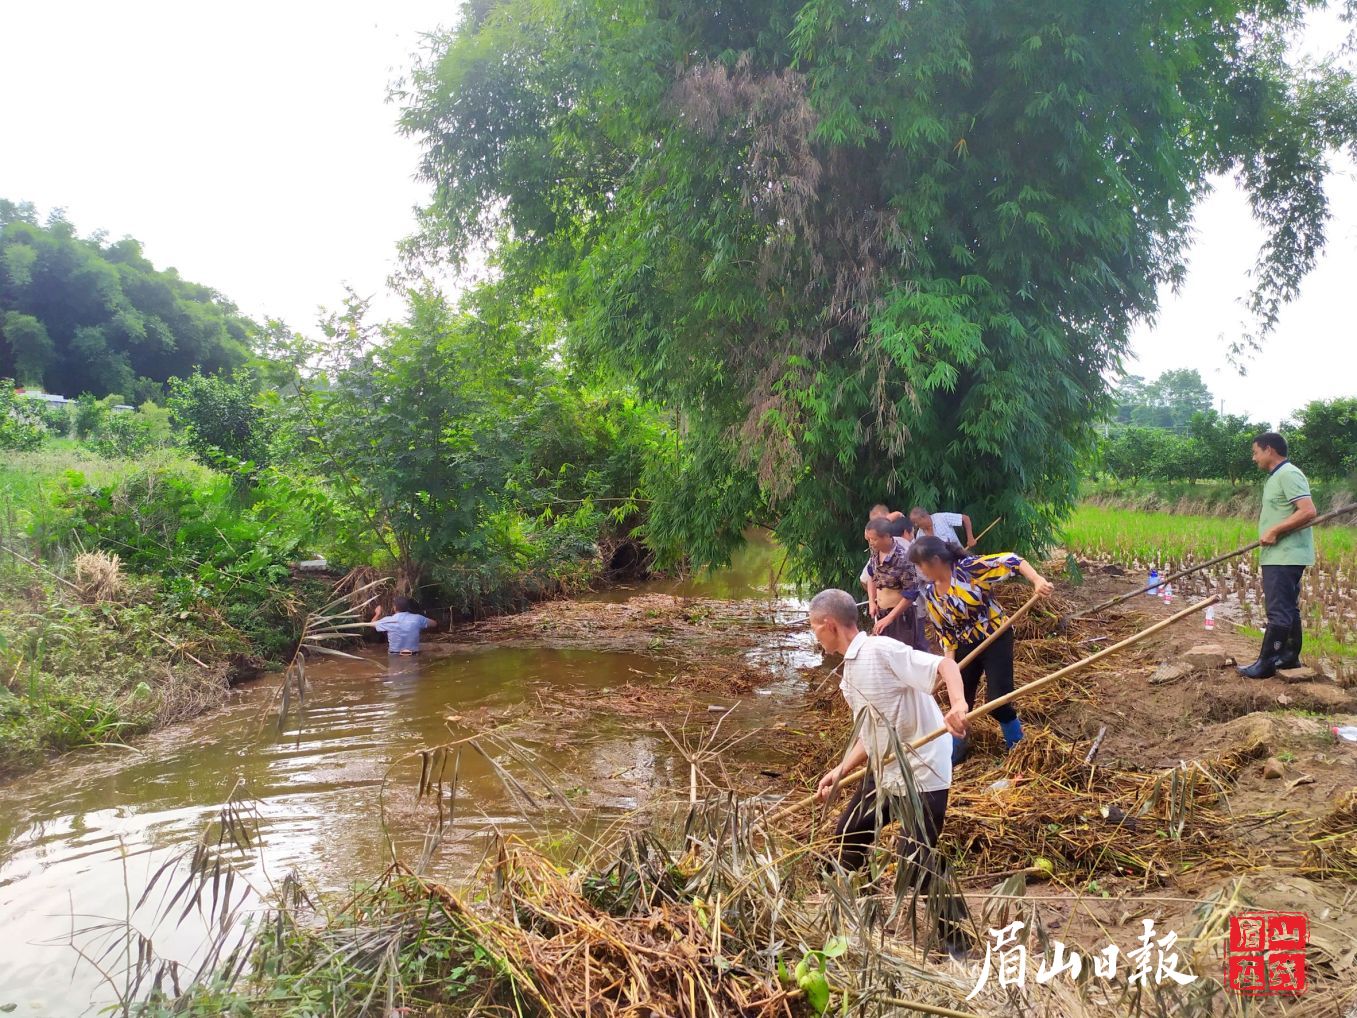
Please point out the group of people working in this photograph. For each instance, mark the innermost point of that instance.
(932, 604)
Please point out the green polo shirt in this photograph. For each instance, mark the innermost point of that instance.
(1283, 487)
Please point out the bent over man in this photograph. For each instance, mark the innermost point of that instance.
(889, 688)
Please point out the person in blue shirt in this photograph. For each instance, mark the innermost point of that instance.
(402, 628)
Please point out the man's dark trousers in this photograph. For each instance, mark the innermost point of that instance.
(1281, 595)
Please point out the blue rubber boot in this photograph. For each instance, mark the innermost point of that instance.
(1012, 732)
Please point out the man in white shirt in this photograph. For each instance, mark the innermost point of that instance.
(889, 688)
(403, 628)
(942, 525)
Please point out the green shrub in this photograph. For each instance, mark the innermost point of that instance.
(55, 417)
(20, 424)
(211, 548)
(123, 435)
(219, 417)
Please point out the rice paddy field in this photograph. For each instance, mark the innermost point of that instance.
(1140, 541)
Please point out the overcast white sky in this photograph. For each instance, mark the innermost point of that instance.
(250, 146)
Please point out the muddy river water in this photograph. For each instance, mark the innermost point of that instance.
(80, 839)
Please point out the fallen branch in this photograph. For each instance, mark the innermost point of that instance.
(993, 705)
(1097, 745)
(39, 566)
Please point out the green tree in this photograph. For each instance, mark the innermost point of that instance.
(81, 315)
(1132, 453)
(30, 348)
(865, 248)
(1224, 443)
(1168, 402)
(458, 444)
(1323, 438)
(220, 416)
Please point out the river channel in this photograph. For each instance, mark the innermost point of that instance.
(80, 839)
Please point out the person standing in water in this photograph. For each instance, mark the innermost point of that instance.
(956, 598)
(942, 526)
(402, 628)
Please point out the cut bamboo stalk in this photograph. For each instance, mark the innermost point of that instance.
(922, 1008)
(1333, 514)
(1031, 687)
(1097, 744)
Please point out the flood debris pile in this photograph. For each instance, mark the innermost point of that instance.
(1044, 801)
(1331, 843)
(714, 915)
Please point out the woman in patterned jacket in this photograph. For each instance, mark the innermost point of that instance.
(958, 601)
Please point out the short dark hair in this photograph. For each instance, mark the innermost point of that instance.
(403, 604)
(919, 513)
(1271, 440)
(880, 526)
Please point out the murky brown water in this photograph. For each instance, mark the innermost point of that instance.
(80, 840)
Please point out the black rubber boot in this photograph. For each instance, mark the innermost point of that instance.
(1291, 652)
(1275, 639)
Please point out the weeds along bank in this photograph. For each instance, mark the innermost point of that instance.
(133, 593)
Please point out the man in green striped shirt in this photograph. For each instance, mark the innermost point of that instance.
(1288, 547)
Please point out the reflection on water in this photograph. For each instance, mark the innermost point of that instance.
(756, 570)
(80, 841)
(92, 831)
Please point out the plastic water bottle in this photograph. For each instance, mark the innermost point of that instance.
(1209, 623)
(1348, 733)
(1168, 593)
(1154, 583)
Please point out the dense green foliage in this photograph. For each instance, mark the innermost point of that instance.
(83, 315)
(1323, 437)
(462, 451)
(1170, 401)
(1212, 446)
(219, 417)
(865, 250)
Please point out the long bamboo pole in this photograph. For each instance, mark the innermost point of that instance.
(1031, 687)
(1008, 622)
(1192, 569)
